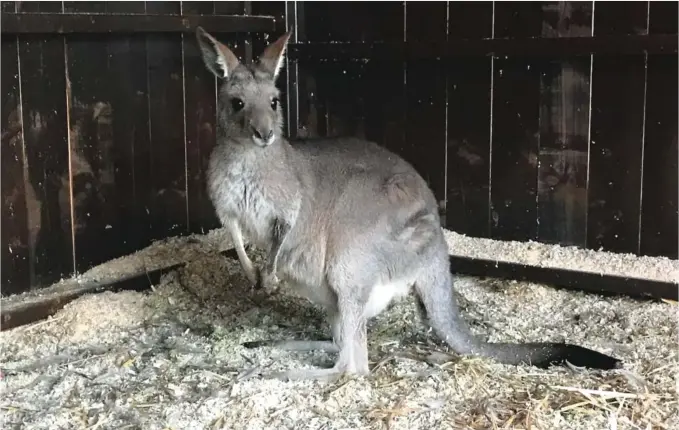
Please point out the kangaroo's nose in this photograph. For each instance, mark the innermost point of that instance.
(263, 135)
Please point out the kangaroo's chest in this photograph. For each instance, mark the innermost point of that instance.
(239, 191)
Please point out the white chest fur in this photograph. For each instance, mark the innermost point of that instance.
(236, 192)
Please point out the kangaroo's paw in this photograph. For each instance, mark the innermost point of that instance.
(268, 282)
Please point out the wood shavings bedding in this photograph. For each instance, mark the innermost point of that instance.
(564, 257)
(171, 358)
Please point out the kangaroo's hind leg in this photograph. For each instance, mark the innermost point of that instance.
(350, 340)
(326, 345)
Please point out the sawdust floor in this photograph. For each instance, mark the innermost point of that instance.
(171, 358)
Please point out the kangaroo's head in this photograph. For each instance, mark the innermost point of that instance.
(248, 106)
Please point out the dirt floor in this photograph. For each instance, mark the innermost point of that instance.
(171, 359)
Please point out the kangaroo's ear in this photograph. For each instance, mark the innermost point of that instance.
(271, 59)
(217, 57)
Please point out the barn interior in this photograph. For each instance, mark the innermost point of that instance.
(546, 130)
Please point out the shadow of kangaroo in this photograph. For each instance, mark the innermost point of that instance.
(346, 223)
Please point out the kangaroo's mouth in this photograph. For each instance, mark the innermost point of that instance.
(263, 143)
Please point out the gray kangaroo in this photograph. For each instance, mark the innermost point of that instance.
(346, 223)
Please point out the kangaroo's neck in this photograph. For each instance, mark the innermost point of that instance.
(245, 151)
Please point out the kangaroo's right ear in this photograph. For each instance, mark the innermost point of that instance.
(217, 57)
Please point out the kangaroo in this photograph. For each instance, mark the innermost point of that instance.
(345, 222)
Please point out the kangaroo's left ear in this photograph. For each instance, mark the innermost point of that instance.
(219, 59)
(271, 59)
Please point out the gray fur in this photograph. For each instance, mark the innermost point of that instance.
(347, 223)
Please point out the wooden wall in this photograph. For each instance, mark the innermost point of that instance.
(521, 136)
(105, 136)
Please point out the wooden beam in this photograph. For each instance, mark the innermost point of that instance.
(35, 306)
(69, 23)
(27, 308)
(534, 47)
(569, 279)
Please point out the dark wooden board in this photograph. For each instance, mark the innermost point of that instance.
(365, 98)
(26, 309)
(16, 23)
(605, 285)
(220, 7)
(462, 49)
(564, 130)
(425, 146)
(616, 134)
(132, 156)
(257, 42)
(34, 6)
(515, 132)
(16, 252)
(8, 6)
(240, 44)
(292, 92)
(468, 131)
(341, 86)
(275, 9)
(94, 152)
(362, 22)
(662, 17)
(383, 82)
(303, 87)
(126, 7)
(167, 202)
(44, 116)
(200, 111)
(659, 199)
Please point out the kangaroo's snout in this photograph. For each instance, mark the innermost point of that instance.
(262, 132)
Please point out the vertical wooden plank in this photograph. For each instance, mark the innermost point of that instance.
(44, 116)
(34, 6)
(238, 43)
(564, 130)
(220, 7)
(93, 151)
(270, 8)
(367, 98)
(341, 85)
(338, 84)
(292, 98)
(660, 175)
(616, 145)
(305, 84)
(8, 6)
(200, 110)
(168, 200)
(16, 276)
(255, 44)
(368, 21)
(468, 130)
(130, 128)
(425, 146)
(383, 82)
(515, 132)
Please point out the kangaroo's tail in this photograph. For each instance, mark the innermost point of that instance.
(435, 292)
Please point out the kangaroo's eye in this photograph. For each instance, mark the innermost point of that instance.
(237, 104)
(274, 103)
